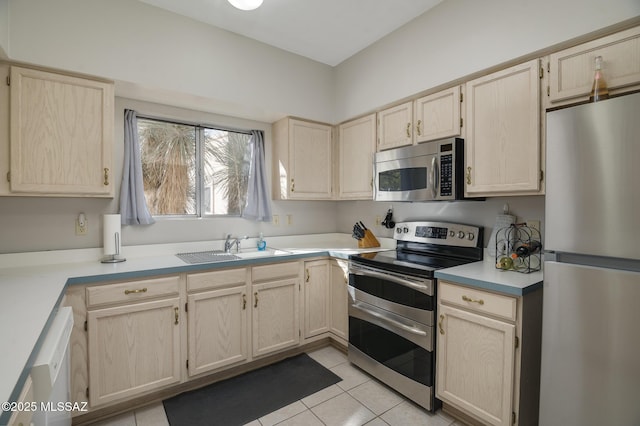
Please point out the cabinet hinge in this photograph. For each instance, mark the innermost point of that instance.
(86, 326)
(8, 80)
(461, 97)
(548, 91)
(549, 67)
(187, 364)
(513, 417)
(517, 342)
(8, 176)
(186, 307)
(461, 121)
(87, 393)
(541, 175)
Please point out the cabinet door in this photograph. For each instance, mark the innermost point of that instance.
(502, 147)
(571, 70)
(316, 297)
(275, 315)
(61, 134)
(357, 147)
(395, 126)
(475, 364)
(338, 298)
(437, 116)
(133, 349)
(310, 160)
(217, 329)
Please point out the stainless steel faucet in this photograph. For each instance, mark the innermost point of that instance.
(230, 241)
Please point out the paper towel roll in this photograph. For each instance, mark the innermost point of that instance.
(112, 234)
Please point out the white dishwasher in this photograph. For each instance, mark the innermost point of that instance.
(50, 373)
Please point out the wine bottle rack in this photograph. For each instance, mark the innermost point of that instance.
(518, 248)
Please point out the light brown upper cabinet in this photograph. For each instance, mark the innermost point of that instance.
(438, 116)
(502, 145)
(302, 162)
(357, 145)
(395, 126)
(571, 70)
(61, 141)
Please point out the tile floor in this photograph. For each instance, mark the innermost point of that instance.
(358, 399)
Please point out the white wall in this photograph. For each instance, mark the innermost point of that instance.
(4, 28)
(461, 37)
(154, 51)
(477, 213)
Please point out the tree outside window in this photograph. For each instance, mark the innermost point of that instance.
(192, 170)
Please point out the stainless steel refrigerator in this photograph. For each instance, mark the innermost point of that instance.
(590, 371)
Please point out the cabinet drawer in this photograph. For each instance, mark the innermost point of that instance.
(275, 271)
(132, 291)
(216, 279)
(478, 300)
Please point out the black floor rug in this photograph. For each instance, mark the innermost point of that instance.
(247, 397)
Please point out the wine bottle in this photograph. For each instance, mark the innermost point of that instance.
(505, 263)
(527, 249)
(599, 89)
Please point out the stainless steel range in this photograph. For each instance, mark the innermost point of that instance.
(392, 304)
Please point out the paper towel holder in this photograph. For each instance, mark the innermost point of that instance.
(114, 258)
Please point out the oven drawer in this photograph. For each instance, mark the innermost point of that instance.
(477, 300)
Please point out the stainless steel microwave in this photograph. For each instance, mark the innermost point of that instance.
(430, 171)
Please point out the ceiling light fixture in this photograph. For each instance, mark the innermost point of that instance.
(245, 4)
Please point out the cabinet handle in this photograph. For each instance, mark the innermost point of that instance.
(408, 130)
(470, 300)
(255, 296)
(308, 275)
(177, 314)
(469, 175)
(244, 302)
(139, 290)
(418, 127)
(106, 176)
(440, 324)
(346, 281)
(293, 185)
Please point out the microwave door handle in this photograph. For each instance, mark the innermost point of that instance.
(435, 181)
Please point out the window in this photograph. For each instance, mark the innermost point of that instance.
(191, 170)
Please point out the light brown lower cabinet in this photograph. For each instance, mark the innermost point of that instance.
(134, 339)
(133, 349)
(488, 354)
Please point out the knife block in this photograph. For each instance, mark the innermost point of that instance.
(368, 241)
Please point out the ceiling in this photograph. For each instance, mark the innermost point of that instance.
(327, 31)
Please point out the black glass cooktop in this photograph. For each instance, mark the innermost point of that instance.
(408, 262)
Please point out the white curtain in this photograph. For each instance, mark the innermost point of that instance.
(133, 206)
(258, 205)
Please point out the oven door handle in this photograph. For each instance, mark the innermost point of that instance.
(391, 321)
(434, 178)
(422, 288)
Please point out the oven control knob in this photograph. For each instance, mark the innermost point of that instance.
(399, 230)
(405, 229)
(470, 236)
(460, 234)
(452, 234)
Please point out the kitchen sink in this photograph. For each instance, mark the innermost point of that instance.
(207, 256)
(254, 253)
(221, 256)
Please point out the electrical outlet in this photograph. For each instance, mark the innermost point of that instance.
(378, 220)
(276, 220)
(82, 225)
(289, 219)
